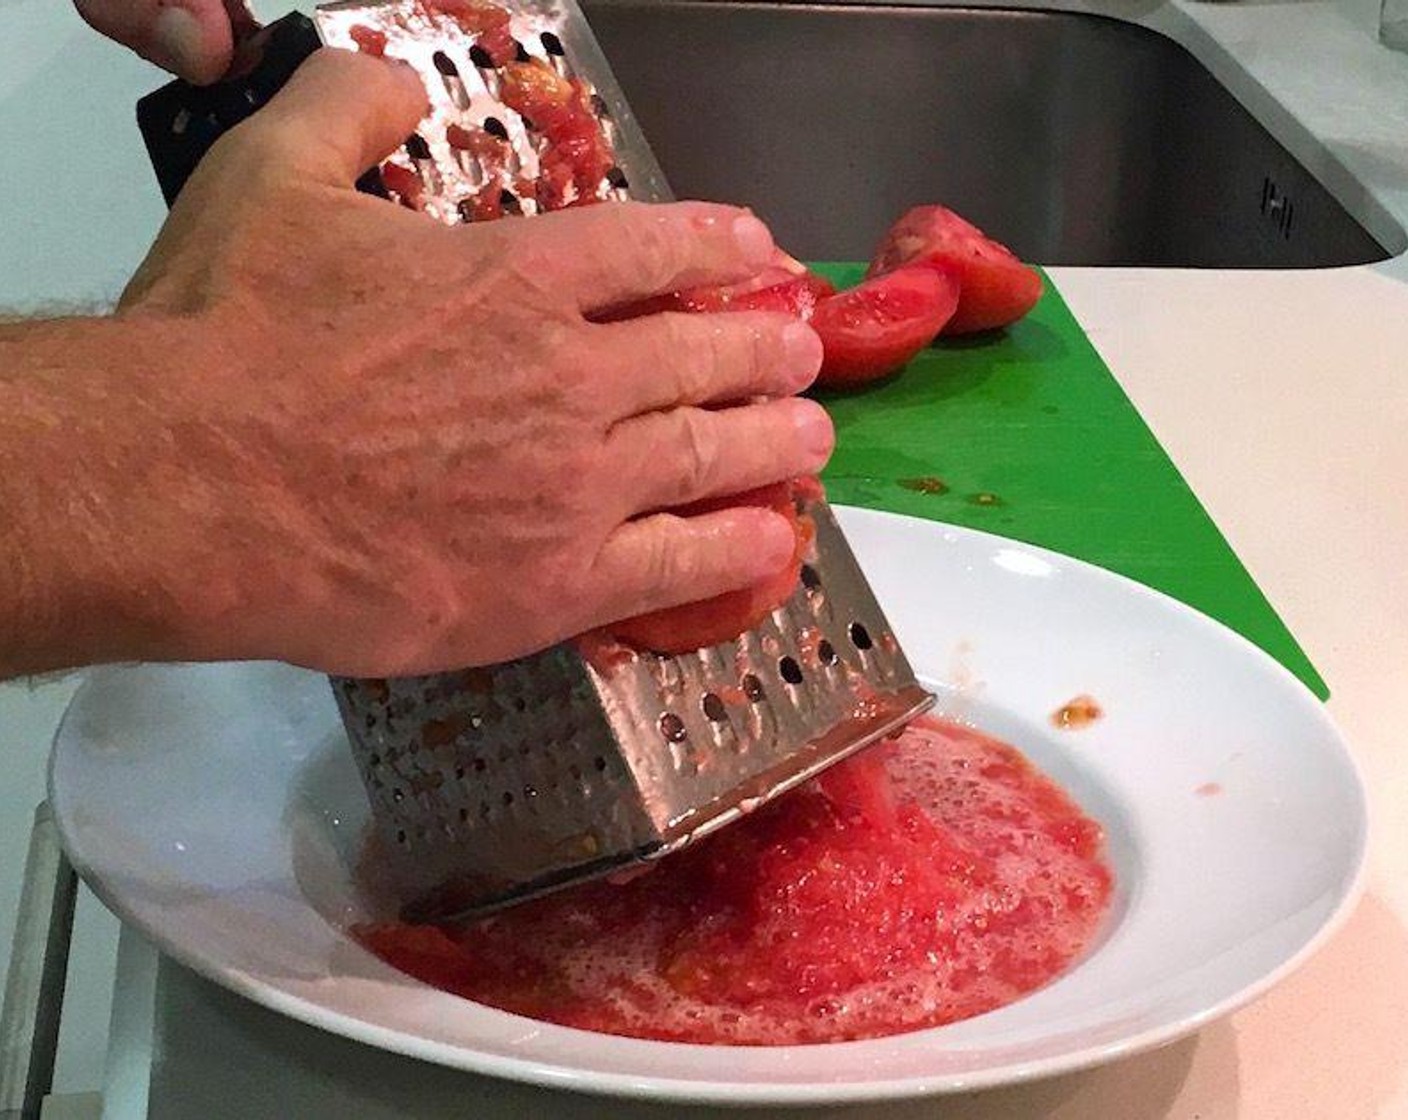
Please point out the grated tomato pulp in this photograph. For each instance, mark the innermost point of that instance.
(921, 882)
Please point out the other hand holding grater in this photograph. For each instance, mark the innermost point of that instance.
(489, 786)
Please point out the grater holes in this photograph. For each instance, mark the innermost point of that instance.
(452, 80)
(672, 728)
(826, 653)
(789, 670)
(480, 57)
(552, 44)
(521, 55)
(600, 763)
(416, 147)
(753, 688)
(810, 579)
(713, 708)
(509, 201)
(401, 836)
(860, 636)
(617, 178)
(495, 127)
(464, 814)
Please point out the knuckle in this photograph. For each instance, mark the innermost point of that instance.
(667, 564)
(692, 355)
(659, 256)
(763, 347)
(698, 453)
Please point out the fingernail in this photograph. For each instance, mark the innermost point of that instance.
(753, 239)
(177, 41)
(814, 429)
(801, 354)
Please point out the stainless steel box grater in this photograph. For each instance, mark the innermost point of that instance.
(489, 786)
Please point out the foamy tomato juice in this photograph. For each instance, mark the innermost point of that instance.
(921, 882)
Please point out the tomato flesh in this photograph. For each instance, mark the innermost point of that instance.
(368, 39)
(473, 16)
(490, 151)
(995, 287)
(578, 157)
(720, 619)
(404, 183)
(914, 884)
(876, 327)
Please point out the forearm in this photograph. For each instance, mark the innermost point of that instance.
(76, 584)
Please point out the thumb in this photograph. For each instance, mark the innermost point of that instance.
(341, 113)
(192, 38)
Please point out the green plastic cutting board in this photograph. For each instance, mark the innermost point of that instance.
(1025, 433)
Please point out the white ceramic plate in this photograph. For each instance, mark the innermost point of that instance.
(214, 807)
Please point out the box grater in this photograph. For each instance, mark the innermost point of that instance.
(492, 785)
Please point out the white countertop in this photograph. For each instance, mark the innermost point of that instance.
(1282, 396)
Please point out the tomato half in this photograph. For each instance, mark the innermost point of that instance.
(724, 617)
(879, 325)
(996, 288)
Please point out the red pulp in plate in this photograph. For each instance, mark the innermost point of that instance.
(920, 882)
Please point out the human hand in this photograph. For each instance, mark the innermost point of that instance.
(396, 447)
(194, 39)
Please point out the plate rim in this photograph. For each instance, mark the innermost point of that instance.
(620, 1085)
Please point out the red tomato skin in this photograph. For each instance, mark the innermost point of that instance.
(873, 329)
(996, 288)
(708, 622)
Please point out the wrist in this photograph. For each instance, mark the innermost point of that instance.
(83, 445)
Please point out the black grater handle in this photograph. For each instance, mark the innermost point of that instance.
(180, 121)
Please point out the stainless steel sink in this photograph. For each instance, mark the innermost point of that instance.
(1074, 138)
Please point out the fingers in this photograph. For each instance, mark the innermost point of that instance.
(669, 459)
(606, 256)
(665, 560)
(671, 359)
(341, 113)
(191, 38)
